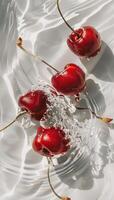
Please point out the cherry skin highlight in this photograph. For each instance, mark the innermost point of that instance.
(71, 81)
(50, 141)
(35, 103)
(86, 43)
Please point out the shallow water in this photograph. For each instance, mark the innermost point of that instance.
(44, 32)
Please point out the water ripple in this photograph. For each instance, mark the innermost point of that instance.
(24, 173)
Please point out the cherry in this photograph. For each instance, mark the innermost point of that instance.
(86, 43)
(71, 81)
(35, 103)
(50, 141)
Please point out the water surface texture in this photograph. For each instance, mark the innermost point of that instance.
(23, 172)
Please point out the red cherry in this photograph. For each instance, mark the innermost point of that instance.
(35, 103)
(50, 141)
(69, 82)
(86, 42)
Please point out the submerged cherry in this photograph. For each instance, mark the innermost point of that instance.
(50, 141)
(86, 42)
(71, 81)
(35, 103)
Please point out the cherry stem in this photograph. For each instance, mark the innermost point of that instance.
(20, 45)
(85, 108)
(105, 119)
(49, 180)
(60, 12)
(14, 120)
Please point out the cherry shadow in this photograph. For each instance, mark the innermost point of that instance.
(90, 167)
(94, 99)
(76, 173)
(102, 66)
(104, 69)
(96, 96)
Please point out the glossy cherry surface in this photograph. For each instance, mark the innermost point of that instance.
(35, 103)
(71, 81)
(86, 42)
(50, 141)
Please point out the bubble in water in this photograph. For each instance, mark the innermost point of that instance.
(62, 113)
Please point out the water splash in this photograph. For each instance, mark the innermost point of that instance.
(44, 32)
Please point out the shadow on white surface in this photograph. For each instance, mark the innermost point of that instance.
(101, 66)
(93, 166)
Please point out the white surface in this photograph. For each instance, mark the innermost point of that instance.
(45, 33)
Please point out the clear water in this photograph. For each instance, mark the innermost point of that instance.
(23, 172)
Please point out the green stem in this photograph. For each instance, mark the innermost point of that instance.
(20, 45)
(60, 12)
(13, 121)
(83, 108)
(49, 181)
